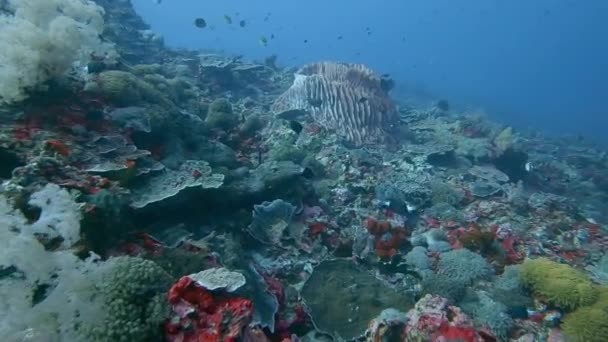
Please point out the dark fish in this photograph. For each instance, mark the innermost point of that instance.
(228, 19)
(315, 102)
(272, 36)
(339, 37)
(292, 115)
(295, 126)
(385, 75)
(200, 23)
(305, 41)
(363, 100)
(242, 23)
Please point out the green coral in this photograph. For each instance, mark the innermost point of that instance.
(145, 69)
(287, 152)
(132, 290)
(474, 148)
(557, 283)
(125, 89)
(590, 323)
(463, 266)
(119, 86)
(504, 140)
(221, 115)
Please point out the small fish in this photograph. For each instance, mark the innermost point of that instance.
(272, 36)
(340, 37)
(315, 102)
(305, 41)
(363, 100)
(295, 126)
(529, 167)
(242, 23)
(157, 1)
(200, 23)
(227, 19)
(263, 41)
(591, 220)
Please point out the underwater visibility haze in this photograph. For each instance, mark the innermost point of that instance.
(288, 171)
(534, 64)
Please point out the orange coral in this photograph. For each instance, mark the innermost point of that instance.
(387, 239)
(60, 147)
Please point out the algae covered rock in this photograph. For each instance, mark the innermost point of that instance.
(343, 298)
(220, 115)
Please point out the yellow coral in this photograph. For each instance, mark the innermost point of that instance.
(558, 283)
(504, 140)
(590, 323)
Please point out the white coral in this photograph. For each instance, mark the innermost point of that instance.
(19, 248)
(42, 40)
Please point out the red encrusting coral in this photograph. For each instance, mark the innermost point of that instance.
(199, 315)
(387, 238)
(59, 147)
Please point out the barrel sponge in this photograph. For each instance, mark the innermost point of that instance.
(42, 40)
(557, 283)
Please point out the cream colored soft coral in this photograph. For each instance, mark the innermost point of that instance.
(43, 40)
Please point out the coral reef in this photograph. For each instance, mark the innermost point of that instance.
(281, 207)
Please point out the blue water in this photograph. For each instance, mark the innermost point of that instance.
(541, 64)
